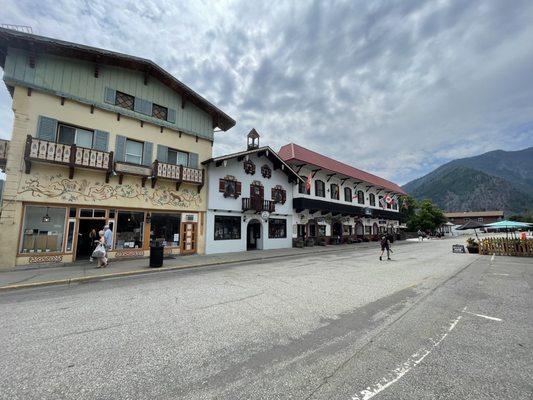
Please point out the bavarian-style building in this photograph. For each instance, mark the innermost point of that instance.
(338, 203)
(100, 138)
(249, 204)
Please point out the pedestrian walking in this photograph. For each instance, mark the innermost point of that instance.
(100, 252)
(108, 237)
(420, 236)
(93, 242)
(385, 245)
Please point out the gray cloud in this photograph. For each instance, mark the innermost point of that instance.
(393, 87)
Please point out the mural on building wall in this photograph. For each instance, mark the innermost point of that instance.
(76, 190)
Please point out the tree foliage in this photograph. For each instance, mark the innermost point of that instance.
(423, 215)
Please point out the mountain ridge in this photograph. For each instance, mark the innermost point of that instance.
(498, 180)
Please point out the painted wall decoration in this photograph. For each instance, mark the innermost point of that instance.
(60, 187)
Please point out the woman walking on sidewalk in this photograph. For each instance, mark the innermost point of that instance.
(100, 251)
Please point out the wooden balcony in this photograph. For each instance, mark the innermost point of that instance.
(178, 174)
(258, 205)
(4, 148)
(44, 151)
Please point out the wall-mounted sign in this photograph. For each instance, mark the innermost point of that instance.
(265, 215)
(368, 211)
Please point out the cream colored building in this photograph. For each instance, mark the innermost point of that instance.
(100, 138)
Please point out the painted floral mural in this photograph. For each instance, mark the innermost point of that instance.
(82, 190)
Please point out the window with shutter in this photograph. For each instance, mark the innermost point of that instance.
(46, 128)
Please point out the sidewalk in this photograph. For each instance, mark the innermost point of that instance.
(20, 277)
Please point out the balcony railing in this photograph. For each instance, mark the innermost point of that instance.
(39, 150)
(177, 173)
(257, 205)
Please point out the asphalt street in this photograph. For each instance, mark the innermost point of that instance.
(428, 325)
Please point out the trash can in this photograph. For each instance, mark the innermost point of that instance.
(156, 255)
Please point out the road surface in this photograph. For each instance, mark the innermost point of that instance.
(428, 325)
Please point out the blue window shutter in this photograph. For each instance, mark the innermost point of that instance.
(171, 115)
(46, 128)
(162, 153)
(101, 139)
(138, 105)
(193, 160)
(120, 148)
(110, 95)
(147, 153)
(142, 106)
(147, 108)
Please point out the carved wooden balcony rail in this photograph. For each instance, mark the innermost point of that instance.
(257, 205)
(39, 150)
(177, 173)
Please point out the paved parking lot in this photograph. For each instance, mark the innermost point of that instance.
(429, 324)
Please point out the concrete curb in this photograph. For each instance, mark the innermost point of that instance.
(94, 278)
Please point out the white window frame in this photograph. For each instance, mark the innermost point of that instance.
(76, 130)
(126, 154)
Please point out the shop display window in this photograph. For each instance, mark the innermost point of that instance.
(227, 228)
(43, 229)
(129, 233)
(165, 228)
(277, 228)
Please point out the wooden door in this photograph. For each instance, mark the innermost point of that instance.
(257, 195)
(188, 237)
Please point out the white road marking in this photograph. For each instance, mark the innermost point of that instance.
(492, 258)
(404, 368)
(495, 273)
(483, 316)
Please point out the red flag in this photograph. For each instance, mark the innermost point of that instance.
(308, 183)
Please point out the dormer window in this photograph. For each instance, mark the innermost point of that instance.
(334, 191)
(159, 112)
(360, 197)
(124, 100)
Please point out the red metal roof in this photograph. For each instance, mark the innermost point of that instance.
(294, 153)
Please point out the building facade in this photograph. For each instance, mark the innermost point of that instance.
(100, 138)
(337, 203)
(249, 202)
(483, 217)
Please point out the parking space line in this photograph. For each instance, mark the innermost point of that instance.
(404, 368)
(481, 315)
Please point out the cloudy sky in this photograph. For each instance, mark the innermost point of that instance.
(393, 87)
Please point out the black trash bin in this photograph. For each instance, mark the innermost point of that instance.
(156, 255)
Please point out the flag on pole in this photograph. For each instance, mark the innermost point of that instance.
(388, 199)
(382, 202)
(308, 183)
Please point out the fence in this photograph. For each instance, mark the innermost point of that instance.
(506, 247)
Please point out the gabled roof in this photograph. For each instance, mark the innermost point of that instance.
(41, 44)
(266, 151)
(293, 153)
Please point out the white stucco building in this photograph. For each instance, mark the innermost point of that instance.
(336, 202)
(249, 202)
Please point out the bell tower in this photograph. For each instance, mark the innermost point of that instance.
(253, 139)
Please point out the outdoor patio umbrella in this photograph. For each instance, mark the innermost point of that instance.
(506, 224)
(471, 225)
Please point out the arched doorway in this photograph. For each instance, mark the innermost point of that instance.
(337, 228)
(253, 235)
(359, 229)
(375, 229)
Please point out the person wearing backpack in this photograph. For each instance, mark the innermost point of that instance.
(385, 245)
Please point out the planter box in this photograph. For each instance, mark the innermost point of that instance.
(473, 249)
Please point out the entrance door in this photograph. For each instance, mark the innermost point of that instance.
(87, 233)
(253, 235)
(337, 229)
(188, 237)
(256, 196)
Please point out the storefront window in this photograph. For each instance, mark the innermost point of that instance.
(227, 228)
(43, 229)
(166, 228)
(277, 228)
(321, 230)
(129, 230)
(368, 230)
